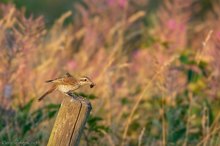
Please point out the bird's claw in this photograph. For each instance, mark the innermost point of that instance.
(71, 94)
(75, 96)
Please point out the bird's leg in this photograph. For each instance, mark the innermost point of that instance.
(71, 94)
(83, 98)
(75, 96)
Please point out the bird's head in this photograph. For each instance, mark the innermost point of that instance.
(86, 81)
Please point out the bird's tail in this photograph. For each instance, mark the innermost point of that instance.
(48, 92)
(48, 81)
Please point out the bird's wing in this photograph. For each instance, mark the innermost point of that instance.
(67, 77)
(69, 80)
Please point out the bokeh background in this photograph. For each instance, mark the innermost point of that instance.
(156, 65)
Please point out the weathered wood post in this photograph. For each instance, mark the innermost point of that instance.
(70, 122)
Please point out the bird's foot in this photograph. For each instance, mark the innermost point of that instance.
(71, 94)
(76, 97)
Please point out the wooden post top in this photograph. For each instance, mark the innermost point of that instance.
(70, 122)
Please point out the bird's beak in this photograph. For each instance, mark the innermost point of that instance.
(92, 85)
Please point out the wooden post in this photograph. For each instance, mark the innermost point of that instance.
(70, 122)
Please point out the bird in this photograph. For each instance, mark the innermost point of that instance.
(67, 84)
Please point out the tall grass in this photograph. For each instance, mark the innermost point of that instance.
(157, 72)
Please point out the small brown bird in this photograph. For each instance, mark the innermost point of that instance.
(67, 84)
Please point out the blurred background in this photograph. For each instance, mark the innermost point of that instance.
(156, 65)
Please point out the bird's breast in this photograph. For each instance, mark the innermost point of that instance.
(67, 88)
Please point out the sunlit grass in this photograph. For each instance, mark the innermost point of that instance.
(155, 85)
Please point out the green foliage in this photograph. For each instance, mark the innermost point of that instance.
(176, 120)
(24, 122)
(127, 46)
(5, 1)
(125, 101)
(187, 58)
(88, 96)
(94, 129)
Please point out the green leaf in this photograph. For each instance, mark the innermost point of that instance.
(192, 76)
(95, 126)
(38, 116)
(51, 114)
(26, 127)
(187, 58)
(26, 108)
(203, 67)
(176, 125)
(89, 96)
(209, 112)
(52, 106)
(93, 120)
(124, 101)
(184, 59)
